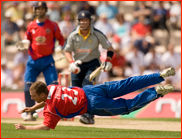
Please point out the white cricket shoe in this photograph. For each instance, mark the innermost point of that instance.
(29, 117)
(163, 90)
(168, 72)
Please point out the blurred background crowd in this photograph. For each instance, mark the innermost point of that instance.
(146, 36)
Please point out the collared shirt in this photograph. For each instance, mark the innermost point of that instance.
(84, 37)
(86, 50)
(43, 37)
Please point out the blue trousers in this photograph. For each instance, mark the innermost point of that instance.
(45, 65)
(100, 97)
(32, 71)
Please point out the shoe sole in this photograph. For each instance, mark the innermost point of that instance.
(170, 72)
(84, 122)
(167, 89)
(173, 71)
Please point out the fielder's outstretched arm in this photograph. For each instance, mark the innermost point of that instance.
(36, 127)
(33, 108)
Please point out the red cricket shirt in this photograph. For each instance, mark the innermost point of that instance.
(63, 102)
(43, 38)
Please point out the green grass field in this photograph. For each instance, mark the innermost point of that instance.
(8, 131)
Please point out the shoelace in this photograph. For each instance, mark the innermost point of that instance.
(161, 87)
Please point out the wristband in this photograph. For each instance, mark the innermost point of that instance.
(110, 54)
(72, 61)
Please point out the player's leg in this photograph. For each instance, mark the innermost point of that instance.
(109, 107)
(77, 79)
(89, 68)
(119, 88)
(147, 96)
(31, 74)
(50, 74)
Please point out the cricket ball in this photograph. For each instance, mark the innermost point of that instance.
(35, 115)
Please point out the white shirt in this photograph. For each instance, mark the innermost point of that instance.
(175, 10)
(136, 61)
(147, 72)
(20, 58)
(66, 28)
(148, 59)
(54, 15)
(6, 78)
(171, 60)
(105, 28)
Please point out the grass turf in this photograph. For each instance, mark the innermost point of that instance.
(9, 131)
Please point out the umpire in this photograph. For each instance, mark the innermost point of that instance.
(81, 50)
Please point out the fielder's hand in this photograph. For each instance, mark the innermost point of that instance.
(19, 126)
(58, 49)
(22, 45)
(107, 65)
(73, 67)
(27, 109)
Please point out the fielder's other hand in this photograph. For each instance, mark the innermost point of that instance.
(22, 45)
(58, 49)
(107, 65)
(73, 67)
(19, 126)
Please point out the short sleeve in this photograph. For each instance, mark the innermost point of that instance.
(103, 40)
(28, 32)
(50, 120)
(69, 44)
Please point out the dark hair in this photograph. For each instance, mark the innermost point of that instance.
(39, 87)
